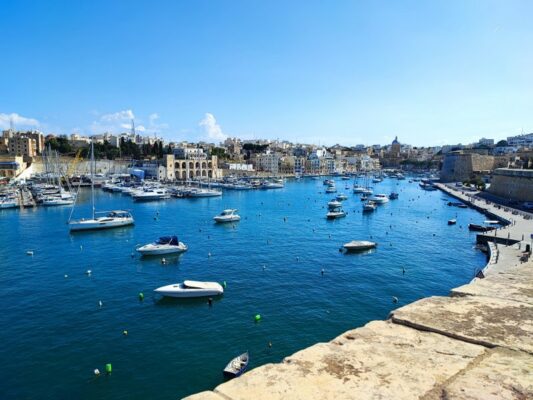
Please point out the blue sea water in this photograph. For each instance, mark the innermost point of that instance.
(54, 333)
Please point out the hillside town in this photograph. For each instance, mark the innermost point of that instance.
(477, 164)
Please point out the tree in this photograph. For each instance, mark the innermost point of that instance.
(502, 143)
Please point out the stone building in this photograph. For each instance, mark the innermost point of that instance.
(23, 146)
(460, 166)
(191, 168)
(512, 184)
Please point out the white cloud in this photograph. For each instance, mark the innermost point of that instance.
(18, 121)
(211, 128)
(153, 117)
(124, 115)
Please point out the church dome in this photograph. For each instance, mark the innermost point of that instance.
(395, 141)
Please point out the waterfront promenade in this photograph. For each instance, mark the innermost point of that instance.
(475, 344)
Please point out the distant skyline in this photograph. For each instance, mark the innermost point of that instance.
(348, 72)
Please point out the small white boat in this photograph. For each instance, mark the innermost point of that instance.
(112, 219)
(9, 203)
(334, 204)
(205, 193)
(359, 245)
(191, 289)
(342, 197)
(377, 180)
(452, 221)
(336, 213)
(229, 215)
(369, 206)
(358, 189)
(331, 189)
(367, 191)
(57, 201)
(164, 245)
(380, 198)
(150, 195)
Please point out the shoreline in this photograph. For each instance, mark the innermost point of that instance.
(476, 343)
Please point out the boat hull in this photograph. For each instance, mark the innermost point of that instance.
(89, 225)
(150, 250)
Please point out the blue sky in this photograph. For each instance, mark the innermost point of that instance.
(350, 72)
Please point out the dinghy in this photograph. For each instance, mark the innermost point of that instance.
(237, 366)
(359, 245)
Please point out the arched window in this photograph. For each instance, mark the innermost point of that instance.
(203, 165)
(183, 165)
(203, 173)
(197, 164)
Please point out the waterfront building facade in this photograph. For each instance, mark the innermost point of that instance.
(193, 167)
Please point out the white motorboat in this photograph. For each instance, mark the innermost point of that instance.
(377, 180)
(164, 245)
(150, 195)
(334, 204)
(331, 189)
(57, 201)
(229, 215)
(342, 197)
(359, 245)
(358, 189)
(191, 289)
(367, 191)
(272, 185)
(111, 219)
(328, 182)
(9, 203)
(380, 198)
(336, 213)
(369, 206)
(205, 193)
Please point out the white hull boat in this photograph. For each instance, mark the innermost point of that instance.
(205, 193)
(189, 289)
(359, 245)
(228, 215)
(335, 214)
(164, 245)
(358, 189)
(380, 198)
(334, 204)
(113, 219)
(369, 206)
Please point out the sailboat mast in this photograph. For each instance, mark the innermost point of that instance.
(93, 166)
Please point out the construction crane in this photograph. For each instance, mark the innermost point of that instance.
(74, 163)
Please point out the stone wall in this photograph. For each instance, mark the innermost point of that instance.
(83, 167)
(459, 166)
(516, 184)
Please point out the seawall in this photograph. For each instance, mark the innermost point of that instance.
(476, 343)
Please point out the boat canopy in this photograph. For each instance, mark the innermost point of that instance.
(173, 240)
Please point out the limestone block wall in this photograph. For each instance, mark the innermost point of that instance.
(512, 184)
(461, 166)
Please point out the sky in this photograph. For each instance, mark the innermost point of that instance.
(324, 72)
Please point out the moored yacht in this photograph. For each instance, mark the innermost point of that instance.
(369, 206)
(335, 213)
(111, 219)
(380, 198)
(191, 289)
(164, 245)
(150, 194)
(334, 204)
(229, 215)
(359, 245)
(205, 193)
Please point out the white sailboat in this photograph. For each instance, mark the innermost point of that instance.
(108, 219)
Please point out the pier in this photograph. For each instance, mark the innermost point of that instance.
(476, 343)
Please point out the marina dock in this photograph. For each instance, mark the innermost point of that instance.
(476, 343)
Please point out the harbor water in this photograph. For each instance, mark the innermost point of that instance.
(281, 261)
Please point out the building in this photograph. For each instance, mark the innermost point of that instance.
(22, 145)
(459, 166)
(11, 166)
(486, 142)
(177, 168)
(512, 184)
(520, 140)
